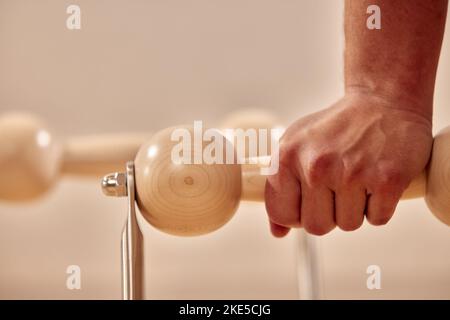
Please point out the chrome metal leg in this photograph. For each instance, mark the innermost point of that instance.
(309, 278)
(119, 185)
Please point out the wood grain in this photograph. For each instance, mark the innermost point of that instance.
(196, 199)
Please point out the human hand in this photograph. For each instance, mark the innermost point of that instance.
(352, 159)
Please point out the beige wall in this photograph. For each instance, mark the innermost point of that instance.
(145, 65)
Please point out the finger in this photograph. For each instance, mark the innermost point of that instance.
(381, 207)
(350, 206)
(317, 211)
(282, 198)
(385, 189)
(278, 231)
(385, 193)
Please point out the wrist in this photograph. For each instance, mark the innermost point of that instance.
(397, 99)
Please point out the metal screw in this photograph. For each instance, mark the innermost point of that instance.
(115, 184)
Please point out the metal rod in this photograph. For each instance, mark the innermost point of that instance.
(308, 269)
(132, 247)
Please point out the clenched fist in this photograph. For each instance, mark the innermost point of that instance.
(351, 160)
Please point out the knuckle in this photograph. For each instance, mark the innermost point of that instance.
(352, 170)
(318, 166)
(287, 155)
(388, 180)
(351, 175)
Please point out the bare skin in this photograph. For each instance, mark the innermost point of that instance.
(356, 158)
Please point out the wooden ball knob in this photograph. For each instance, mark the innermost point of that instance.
(184, 199)
(437, 195)
(29, 158)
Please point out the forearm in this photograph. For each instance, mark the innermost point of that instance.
(399, 61)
